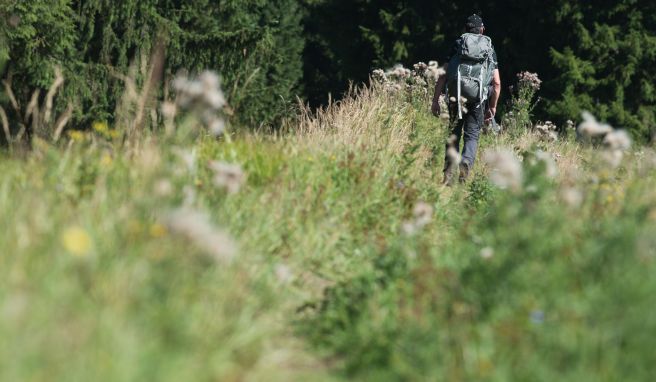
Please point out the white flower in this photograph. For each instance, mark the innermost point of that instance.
(487, 253)
(422, 215)
(217, 127)
(617, 140)
(169, 109)
(613, 158)
(549, 162)
(284, 274)
(228, 176)
(196, 227)
(591, 128)
(163, 187)
(187, 157)
(571, 196)
(506, 170)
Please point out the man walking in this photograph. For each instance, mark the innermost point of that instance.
(473, 84)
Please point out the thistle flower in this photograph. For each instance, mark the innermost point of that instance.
(169, 109)
(452, 154)
(433, 73)
(506, 170)
(591, 128)
(617, 140)
(196, 227)
(203, 96)
(187, 157)
(547, 131)
(422, 215)
(379, 75)
(530, 80)
(549, 162)
(228, 176)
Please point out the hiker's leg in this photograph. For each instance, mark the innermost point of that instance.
(473, 122)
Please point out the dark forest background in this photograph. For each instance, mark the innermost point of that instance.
(597, 56)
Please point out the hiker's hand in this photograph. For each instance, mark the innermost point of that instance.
(435, 109)
(490, 113)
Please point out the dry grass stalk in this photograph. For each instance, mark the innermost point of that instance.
(62, 121)
(5, 124)
(59, 81)
(365, 117)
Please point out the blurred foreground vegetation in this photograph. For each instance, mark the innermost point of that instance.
(339, 256)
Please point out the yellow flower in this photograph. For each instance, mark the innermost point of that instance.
(100, 127)
(106, 160)
(157, 230)
(76, 135)
(76, 241)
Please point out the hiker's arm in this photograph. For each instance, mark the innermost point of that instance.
(494, 97)
(439, 87)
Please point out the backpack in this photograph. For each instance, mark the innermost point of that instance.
(469, 72)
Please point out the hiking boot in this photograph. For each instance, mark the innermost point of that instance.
(464, 172)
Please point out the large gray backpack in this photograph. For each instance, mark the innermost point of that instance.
(470, 70)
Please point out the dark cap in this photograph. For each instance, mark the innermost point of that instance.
(474, 21)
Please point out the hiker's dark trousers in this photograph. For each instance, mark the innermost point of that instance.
(469, 128)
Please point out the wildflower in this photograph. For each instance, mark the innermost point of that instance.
(487, 253)
(529, 79)
(163, 187)
(379, 75)
(283, 274)
(420, 67)
(571, 196)
(76, 135)
(202, 95)
(453, 157)
(506, 168)
(547, 131)
(463, 104)
(590, 128)
(76, 241)
(550, 164)
(569, 124)
(157, 230)
(228, 176)
(400, 72)
(187, 157)
(217, 127)
(613, 158)
(169, 109)
(100, 127)
(106, 160)
(196, 227)
(617, 140)
(422, 215)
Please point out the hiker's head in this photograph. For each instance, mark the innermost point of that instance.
(474, 24)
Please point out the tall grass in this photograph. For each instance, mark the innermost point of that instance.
(338, 255)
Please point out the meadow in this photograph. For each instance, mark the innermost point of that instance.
(326, 250)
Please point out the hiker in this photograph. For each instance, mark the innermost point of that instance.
(473, 85)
